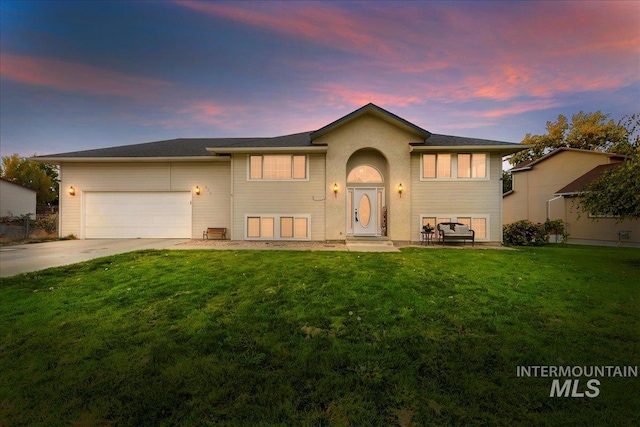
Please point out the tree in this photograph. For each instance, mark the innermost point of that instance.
(35, 175)
(617, 190)
(594, 131)
(507, 182)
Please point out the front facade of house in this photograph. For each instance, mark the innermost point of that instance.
(370, 174)
(546, 189)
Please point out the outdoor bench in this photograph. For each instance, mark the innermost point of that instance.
(221, 233)
(454, 231)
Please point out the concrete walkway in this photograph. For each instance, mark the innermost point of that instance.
(360, 246)
(38, 256)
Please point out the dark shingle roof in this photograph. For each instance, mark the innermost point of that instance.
(456, 141)
(578, 185)
(188, 147)
(197, 147)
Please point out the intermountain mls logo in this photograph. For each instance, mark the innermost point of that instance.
(573, 375)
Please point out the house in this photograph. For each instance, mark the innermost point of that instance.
(546, 188)
(368, 174)
(16, 200)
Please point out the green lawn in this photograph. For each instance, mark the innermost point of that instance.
(421, 337)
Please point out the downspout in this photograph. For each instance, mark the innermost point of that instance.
(549, 212)
(232, 200)
(549, 205)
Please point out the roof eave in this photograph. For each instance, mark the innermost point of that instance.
(505, 149)
(258, 150)
(60, 160)
(569, 194)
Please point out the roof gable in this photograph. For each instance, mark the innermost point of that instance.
(374, 110)
(18, 185)
(529, 164)
(578, 185)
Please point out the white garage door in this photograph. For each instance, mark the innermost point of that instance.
(137, 214)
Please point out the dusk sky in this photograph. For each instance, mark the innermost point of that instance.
(80, 75)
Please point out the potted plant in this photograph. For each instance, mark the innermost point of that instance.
(427, 228)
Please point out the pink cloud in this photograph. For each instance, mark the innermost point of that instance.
(80, 78)
(323, 23)
(218, 115)
(347, 96)
(482, 51)
(518, 108)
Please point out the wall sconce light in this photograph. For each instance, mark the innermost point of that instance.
(72, 191)
(400, 189)
(335, 189)
(197, 190)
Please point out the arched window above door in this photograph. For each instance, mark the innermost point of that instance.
(365, 173)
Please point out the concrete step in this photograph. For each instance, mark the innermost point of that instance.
(371, 246)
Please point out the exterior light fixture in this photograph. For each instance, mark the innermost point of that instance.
(72, 191)
(400, 189)
(335, 189)
(197, 190)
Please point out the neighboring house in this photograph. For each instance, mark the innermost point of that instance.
(16, 200)
(546, 188)
(368, 174)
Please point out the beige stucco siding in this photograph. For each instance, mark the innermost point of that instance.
(532, 188)
(365, 133)
(210, 209)
(585, 229)
(457, 197)
(288, 197)
(515, 206)
(16, 200)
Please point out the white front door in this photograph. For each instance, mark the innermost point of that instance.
(365, 212)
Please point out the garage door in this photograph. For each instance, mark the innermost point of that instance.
(137, 214)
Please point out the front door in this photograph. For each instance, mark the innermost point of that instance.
(365, 212)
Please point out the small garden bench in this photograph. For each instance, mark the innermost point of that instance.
(220, 233)
(454, 231)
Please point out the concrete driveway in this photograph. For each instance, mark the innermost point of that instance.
(37, 256)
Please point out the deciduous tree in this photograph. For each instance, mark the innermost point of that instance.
(593, 131)
(617, 190)
(35, 175)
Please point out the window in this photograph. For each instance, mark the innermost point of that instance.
(266, 227)
(300, 228)
(472, 165)
(436, 166)
(278, 166)
(275, 227)
(479, 225)
(466, 165)
(291, 227)
(286, 227)
(253, 227)
(365, 173)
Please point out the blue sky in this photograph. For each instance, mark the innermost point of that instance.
(80, 75)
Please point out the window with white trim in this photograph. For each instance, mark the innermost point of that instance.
(436, 165)
(472, 165)
(276, 227)
(277, 167)
(365, 174)
(454, 166)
